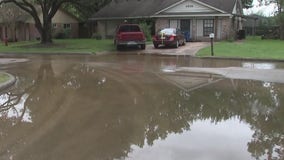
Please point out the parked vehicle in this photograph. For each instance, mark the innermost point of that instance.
(169, 37)
(129, 35)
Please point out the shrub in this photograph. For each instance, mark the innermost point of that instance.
(96, 36)
(147, 30)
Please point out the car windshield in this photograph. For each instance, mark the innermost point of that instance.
(129, 28)
(168, 31)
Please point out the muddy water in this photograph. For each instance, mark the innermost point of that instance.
(128, 107)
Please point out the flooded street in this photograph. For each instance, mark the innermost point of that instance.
(140, 107)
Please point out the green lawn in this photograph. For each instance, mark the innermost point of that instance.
(60, 46)
(252, 47)
(3, 77)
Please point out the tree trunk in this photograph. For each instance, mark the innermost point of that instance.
(44, 29)
(281, 19)
(281, 26)
(46, 35)
(281, 30)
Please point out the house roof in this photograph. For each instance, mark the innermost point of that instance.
(25, 17)
(224, 5)
(133, 8)
(118, 9)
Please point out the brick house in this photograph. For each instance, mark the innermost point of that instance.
(199, 18)
(23, 27)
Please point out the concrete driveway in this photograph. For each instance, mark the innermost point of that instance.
(191, 48)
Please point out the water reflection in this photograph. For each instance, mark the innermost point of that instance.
(12, 107)
(254, 65)
(225, 140)
(122, 107)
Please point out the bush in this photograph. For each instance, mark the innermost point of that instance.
(147, 30)
(63, 34)
(59, 35)
(96, 36)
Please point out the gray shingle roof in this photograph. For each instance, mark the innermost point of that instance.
(224, 5)
(146, 8)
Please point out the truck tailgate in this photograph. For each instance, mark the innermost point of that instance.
(128, 36)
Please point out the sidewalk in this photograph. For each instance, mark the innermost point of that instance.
(264, 75)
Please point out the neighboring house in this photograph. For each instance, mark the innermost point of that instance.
(197, 17)
(251, 24)
(63, 23)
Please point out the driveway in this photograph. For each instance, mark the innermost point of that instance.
(191, 48)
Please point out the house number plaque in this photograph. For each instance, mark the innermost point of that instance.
(189, 6)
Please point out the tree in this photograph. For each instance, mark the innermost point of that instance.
(279, 13)
(9, 15)
(48, 9)
(85, 8)
(247, 3)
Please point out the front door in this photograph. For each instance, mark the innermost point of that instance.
(185, 27)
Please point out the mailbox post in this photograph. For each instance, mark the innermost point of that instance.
(211, 36)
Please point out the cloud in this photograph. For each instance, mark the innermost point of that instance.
(266, 10)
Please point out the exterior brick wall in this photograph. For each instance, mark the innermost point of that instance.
(225, 27)
(106, 29)
(193, 33)
(74, 30)
(161, 23)
(101, 29)
(226, 32)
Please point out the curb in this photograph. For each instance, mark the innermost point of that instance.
(240, 58)
(42, 53)
(8, 83)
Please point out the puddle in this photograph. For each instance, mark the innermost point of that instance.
(127, 107)
(266, 75)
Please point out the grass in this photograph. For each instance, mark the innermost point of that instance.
(252, 47)
(59, 46)
(3, 77)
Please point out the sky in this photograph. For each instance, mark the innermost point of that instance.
(261, 9)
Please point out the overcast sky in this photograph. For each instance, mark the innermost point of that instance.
(261, 9)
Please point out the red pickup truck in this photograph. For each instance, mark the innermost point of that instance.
(129, 35)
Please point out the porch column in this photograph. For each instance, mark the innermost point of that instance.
(194, 29)
(216, 27)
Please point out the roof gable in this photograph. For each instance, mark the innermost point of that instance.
(190, 6)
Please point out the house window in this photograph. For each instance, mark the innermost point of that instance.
(208, 27)
(54, 25)
(67, 26)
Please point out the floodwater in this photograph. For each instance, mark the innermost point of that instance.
(137, 107)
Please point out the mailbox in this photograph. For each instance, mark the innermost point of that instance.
(211, 35)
